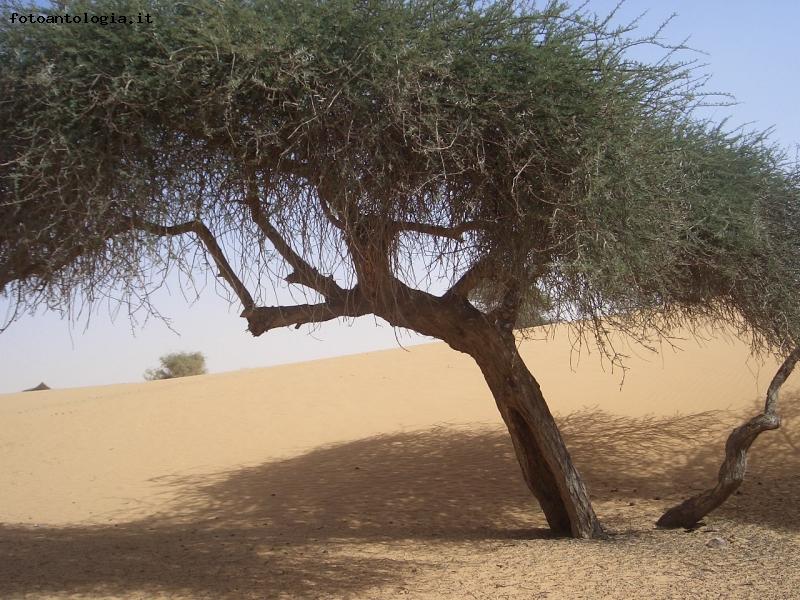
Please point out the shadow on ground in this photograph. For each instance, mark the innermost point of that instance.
(664, 460)
(300, 527)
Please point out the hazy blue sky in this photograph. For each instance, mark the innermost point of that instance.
(753, 53)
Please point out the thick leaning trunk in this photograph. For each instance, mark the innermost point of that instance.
(546, 464)
(731, 473)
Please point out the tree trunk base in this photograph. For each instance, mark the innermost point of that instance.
(546, 464)
(538, 475)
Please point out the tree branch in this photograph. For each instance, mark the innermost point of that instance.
(304, 273)
(263, 318)
(340, 302)
(731, 473)
(211, 245)
(469, 279)
(328, 212)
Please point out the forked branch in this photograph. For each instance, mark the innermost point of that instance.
(339, 303)
(304, 273)
(732, 471)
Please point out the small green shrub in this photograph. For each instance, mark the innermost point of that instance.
(178, 364)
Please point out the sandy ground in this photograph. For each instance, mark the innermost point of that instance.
(389, 474)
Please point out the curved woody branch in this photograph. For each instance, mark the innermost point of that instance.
(731, 473)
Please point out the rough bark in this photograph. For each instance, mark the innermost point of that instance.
(731, 473)
(547, 467)
(546, 464)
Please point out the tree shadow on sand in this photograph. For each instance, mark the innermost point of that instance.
(331, 521)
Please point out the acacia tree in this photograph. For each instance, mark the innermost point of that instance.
(393, 158)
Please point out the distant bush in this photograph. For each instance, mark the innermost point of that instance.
(178, 364)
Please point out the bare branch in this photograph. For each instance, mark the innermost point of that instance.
(304, 273)
(469, 279)
(328, 212)
(263, 318)
(771, 404)
(211, 245)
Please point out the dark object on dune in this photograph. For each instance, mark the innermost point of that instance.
(38, 388)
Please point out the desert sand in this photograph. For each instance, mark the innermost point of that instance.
(388, 475)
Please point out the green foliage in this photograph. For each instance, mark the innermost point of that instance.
(535, 307)
(594, 183)
(178, 364)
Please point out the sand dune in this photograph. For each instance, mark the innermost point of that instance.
(389, 473)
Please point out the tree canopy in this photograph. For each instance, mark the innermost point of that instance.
(520, 143)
